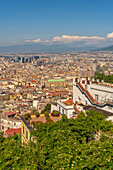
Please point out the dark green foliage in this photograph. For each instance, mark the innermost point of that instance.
(1, 137)
(42, 111)
(48, 107)
(102, 76)
(37, 114)
(46, 113)
(55, 113)
(66, 144)
(48, 119)
(27, 116)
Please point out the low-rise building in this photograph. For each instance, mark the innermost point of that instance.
(10, 120)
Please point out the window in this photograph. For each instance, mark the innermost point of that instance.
(26, 135)
(86, 102)
(62, 111)
(79, 99)
(96, 97)
(14, 124)
(23, 129)
(2, 127)
(59, 109)
(2, 121)
(85, 87)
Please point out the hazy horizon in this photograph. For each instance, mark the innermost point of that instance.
(67, 22)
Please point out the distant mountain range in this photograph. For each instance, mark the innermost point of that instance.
(109, 48)
(39, 48)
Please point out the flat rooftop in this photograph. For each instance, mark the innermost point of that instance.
(105, 113)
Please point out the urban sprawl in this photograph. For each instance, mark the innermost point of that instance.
(62, 84)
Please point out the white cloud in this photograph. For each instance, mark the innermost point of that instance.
(68, 39)
(110, 35)
(36, 40)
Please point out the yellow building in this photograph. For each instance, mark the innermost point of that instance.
(25, 131)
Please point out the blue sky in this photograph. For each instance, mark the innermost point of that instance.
(40, 21)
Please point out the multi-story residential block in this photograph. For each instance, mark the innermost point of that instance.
(10, 120)
(88, 95)
(25, 131)
(96, 94)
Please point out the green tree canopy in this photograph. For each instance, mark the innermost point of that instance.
(66, 144)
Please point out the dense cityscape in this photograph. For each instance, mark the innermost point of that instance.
(39, 89)
(56, 85)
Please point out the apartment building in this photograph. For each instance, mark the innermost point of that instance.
(10, 120)
(93, 93)
(88, 95)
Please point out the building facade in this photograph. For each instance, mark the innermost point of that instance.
(9, 120)
(96, 94)
(25, 131)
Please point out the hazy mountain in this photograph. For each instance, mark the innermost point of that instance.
(38, 48)
(109, 48)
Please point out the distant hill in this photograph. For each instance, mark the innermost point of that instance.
(109, 48)
(38, 48)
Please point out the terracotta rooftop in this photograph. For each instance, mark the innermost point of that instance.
(9, 113)
(13, 131)
(68, 102)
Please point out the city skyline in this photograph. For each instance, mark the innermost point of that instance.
(77, 23)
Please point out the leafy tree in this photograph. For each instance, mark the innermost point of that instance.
(66, 144)
(2, 137)
(37, 114)
(27, 116)
(46, 113)
(55, 113)
(48, 107)
(102, 76)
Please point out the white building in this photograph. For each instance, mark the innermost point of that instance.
(88, 95)
(97, 94)
(9, 120)
(66, 107)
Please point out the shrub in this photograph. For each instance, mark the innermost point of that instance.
(55, 113)
(46, 113)
(37, 114)
(27, 116)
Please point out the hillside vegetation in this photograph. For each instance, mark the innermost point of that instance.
(66, 144)
(102, 76)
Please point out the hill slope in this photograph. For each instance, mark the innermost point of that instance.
(38, 48)
(109, 48)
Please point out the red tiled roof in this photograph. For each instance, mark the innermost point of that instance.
(9, 113)
(68, 102)
(12, 131)
(5, 78)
